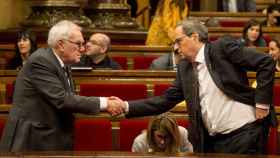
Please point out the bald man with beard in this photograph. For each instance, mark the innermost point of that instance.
(96, 55)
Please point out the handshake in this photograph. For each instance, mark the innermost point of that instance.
(116, 106)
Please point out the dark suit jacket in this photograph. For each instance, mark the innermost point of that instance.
(227, 63)
(43, 105)
(106, 63)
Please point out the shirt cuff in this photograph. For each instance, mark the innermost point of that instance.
(103, 103)
(126, 107)
(262, 106)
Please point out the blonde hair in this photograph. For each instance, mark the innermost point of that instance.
(166, 125)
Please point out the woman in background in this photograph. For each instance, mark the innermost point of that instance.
(168, 14)
(25, 45)
(163, 135)
(252, 35)
(274, 51)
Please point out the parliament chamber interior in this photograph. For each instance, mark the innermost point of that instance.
(100, 135)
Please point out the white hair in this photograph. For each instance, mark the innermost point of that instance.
(61, 30)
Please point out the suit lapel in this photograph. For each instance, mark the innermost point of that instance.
(61, 72)
(211, 67)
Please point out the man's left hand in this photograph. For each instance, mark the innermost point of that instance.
(261, 113)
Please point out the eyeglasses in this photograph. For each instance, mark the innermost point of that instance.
(178, 40)
(79, 44)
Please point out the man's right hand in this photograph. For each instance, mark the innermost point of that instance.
(116, 106)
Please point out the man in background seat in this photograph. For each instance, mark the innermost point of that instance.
(96, 55)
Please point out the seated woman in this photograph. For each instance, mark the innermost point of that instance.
(252, 35)
(25, 45)
(163, 135)
(274, 51)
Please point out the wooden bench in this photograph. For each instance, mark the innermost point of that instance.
(129, 56)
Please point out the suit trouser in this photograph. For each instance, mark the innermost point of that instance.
(248, 139)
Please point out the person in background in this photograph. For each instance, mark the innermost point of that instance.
(41, 118)
(133, 7)
(252, 35)
(272, 16)
(25, 45)
(167, 61)
(237, 5)
(168, 14)
(274, 51)
(226, 115)
(96, 55)
(163, 135)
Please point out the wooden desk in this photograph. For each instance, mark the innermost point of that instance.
(118, 154)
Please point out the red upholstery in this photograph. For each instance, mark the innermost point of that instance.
(160, 88)
(231, 23)
(276, 95)
(9, 93)
(183, 122)
(272, 145)
(93, 135)
(2, 126)
(123, 91)
(267, 38)
(129, 129)
(143, 62)
(121, 60)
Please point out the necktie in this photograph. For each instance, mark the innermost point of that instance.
(68, 76)
(195, 84)
(195, 113)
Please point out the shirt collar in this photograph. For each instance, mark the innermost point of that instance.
(200, 55)
(58, 58)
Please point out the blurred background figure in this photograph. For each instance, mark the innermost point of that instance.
(96, 55)
(272, 16)
(237, 5)
(274, 51)
(168, 14)
(133, 7)
(163, 135)
(25, 45)
(252, 35)
(167, 61)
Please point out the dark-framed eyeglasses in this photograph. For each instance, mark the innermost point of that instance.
(179, 39)
(78, 44)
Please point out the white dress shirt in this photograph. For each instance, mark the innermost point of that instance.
(220, 113)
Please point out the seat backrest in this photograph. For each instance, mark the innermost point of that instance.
(160, 88)
(267, 38)
(126, 91)
(273, 140)
(2, 126)
(9, 93)
(122, 60)
(143, 62)
(129, 129)
(183, 122)
(232, 23)
(276, 95)
(93, 135)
